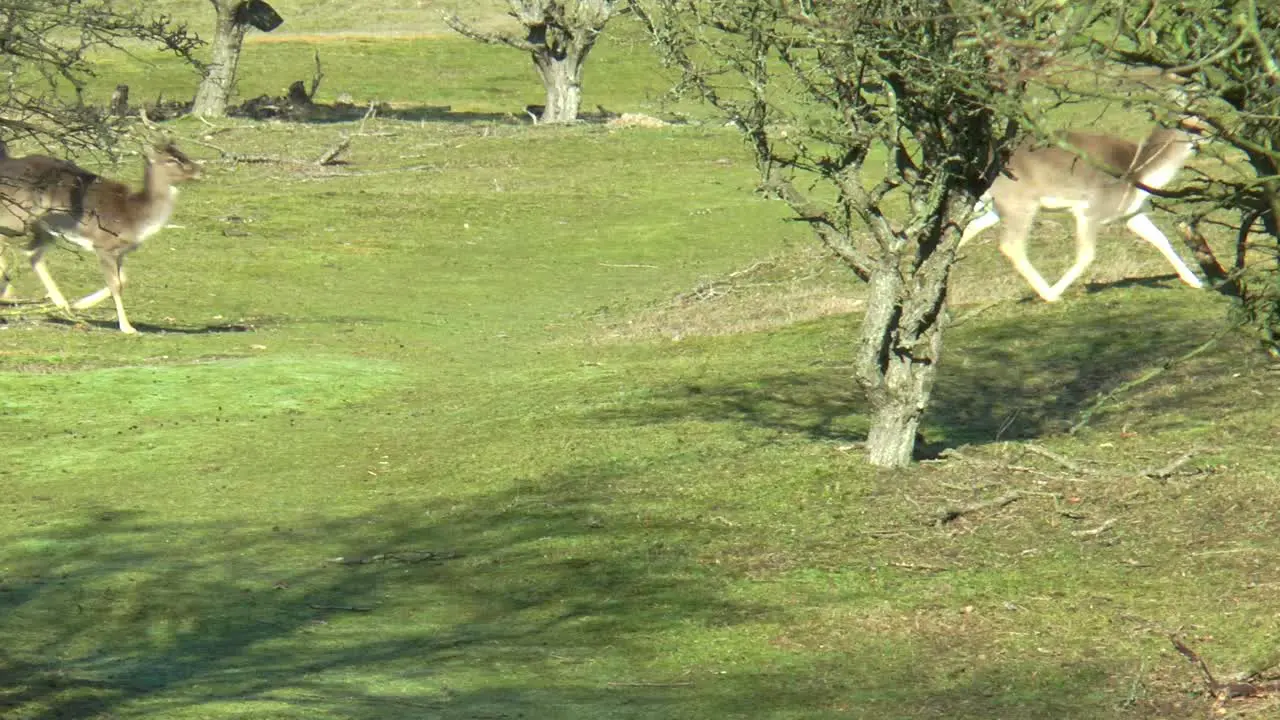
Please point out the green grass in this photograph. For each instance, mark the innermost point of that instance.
(562, 485)
(345, 16)
(429, 73)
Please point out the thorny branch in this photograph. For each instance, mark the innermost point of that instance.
(47, 46)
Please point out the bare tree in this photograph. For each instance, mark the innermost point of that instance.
(46, 60)
(558, 35)
(880, 122)
(234, 18)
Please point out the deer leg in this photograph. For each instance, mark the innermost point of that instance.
(977, 225)
(92, 299)
(1142, 226)
(37, 264)
(1014, 247)
(113, 269)
(1086, 246)
(96, 297)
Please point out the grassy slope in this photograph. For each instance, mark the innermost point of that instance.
(460, 348)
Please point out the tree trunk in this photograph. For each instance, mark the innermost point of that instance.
(892, 440)
(897, 356)
(220, 75)
(562, 77)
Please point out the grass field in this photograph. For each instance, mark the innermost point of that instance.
(502, 421)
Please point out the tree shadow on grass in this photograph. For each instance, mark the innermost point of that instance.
(320, 113)
(1032, 374)
(552, 598)
(1026, 375)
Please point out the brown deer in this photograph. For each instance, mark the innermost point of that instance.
(43, 199)
(1102, 179)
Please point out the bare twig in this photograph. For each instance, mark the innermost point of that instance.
(316, 77)
(369, 114)
(1061, 460)
(330, 156)
(950, 514)
(1164, 472)
(1095, 531)
(917, 566)
(146, 121)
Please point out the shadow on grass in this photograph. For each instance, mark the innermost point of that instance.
(322, 114)
(1154, 282)
(151, 328)
(549, 599)
(319, 113)
(1025, 375)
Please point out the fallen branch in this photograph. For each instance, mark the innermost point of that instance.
(369, 114)
(1096, 531)
(330, 156)
(947, 515)
(1061, 460)
(1171, 468)
(917, 566)
(237, 157)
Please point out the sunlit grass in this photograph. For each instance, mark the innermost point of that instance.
(502, 421)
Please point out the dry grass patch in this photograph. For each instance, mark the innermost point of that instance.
(804, 283)
(797, 285)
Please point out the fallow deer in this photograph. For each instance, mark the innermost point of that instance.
(1101, 180)
(43, 199)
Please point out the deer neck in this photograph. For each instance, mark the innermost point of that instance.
(155, 203)
(1160, 157)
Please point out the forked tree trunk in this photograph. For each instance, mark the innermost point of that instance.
(558, 35)
(220, 75)
(562, 77)
(896, 361)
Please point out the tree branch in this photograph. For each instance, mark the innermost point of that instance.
(457, 25)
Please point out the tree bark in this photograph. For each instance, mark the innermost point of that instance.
(220, 75)
(562, 78)
(899, 346)
(892, 440)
